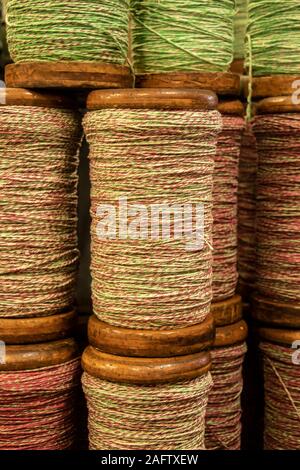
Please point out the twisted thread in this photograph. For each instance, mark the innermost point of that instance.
(247, 207)
(68, 30)
(152, 157)
(282, 398)
(37, 407)
(159, 417)
(278, 206)
(274, 33)
(223, 415)
(176, 35)
(240, 27)
(225, 209)
(38, 219)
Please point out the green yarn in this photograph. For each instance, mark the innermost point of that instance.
(240, 27)
(181, 35)
(274, 32)
(68, 30)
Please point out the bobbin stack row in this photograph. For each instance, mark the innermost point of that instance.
(165, 125)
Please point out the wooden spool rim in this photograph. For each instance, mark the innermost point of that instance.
(41, 99)
(162, 98)
(231, 334)
(279, 104)
(227, 312)
(150, 343)
(280, 336)
(64, 74)
(144, 371)
(273, 85)
(231, 108)
(273, 313)
(222, 83)
(37, 329)
(36, 356)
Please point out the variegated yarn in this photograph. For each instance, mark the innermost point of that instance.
(278, 206)
(37, 407)
(223, 415)
(247, 209)
(282, 397)
(38, 220)
(151, 157)
(68, 30)
(140, 417)
(225, 208)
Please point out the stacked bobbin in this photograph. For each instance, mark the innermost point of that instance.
(203, 63)
(80, 44)
(276, 301)
(147, 366)
(72, 45)
(40, 366)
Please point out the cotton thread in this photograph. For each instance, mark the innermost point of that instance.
(38, 221)
(225, 209)
(68, 30)
(274, 33)
(223, 415)
(278, 206)
(247, 208)
(282, 398)
(151, 157)
(159, 417)
(175, 35)
(37, 407)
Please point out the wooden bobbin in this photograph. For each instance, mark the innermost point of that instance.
(37, 329)
(277, 105)
(153, 99)
(231, 108)
(284, 337)
(150, 343)
(222, 83)
(274, 85)
(274, 313)
(36, 356)
(41, 99)
(231, 335)
(78, 75)
(227, 312)
(144, 371)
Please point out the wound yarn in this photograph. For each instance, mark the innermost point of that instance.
(225, 208)
(176, 35)
(38, 220)
(282, 397)
(274, 37)
(278, 206)
(247, 208)
(151, 157)
(37, 407)
(68, 30)
(240, 28)
(223, 415)
(154, 417)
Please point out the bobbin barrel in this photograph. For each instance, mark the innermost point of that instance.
(163, 98)
(37, 329)
(41, 99)
(143, 371)
(231, 334)
(227, 312)
(272, 312)
(150, 343)
(36, 356)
